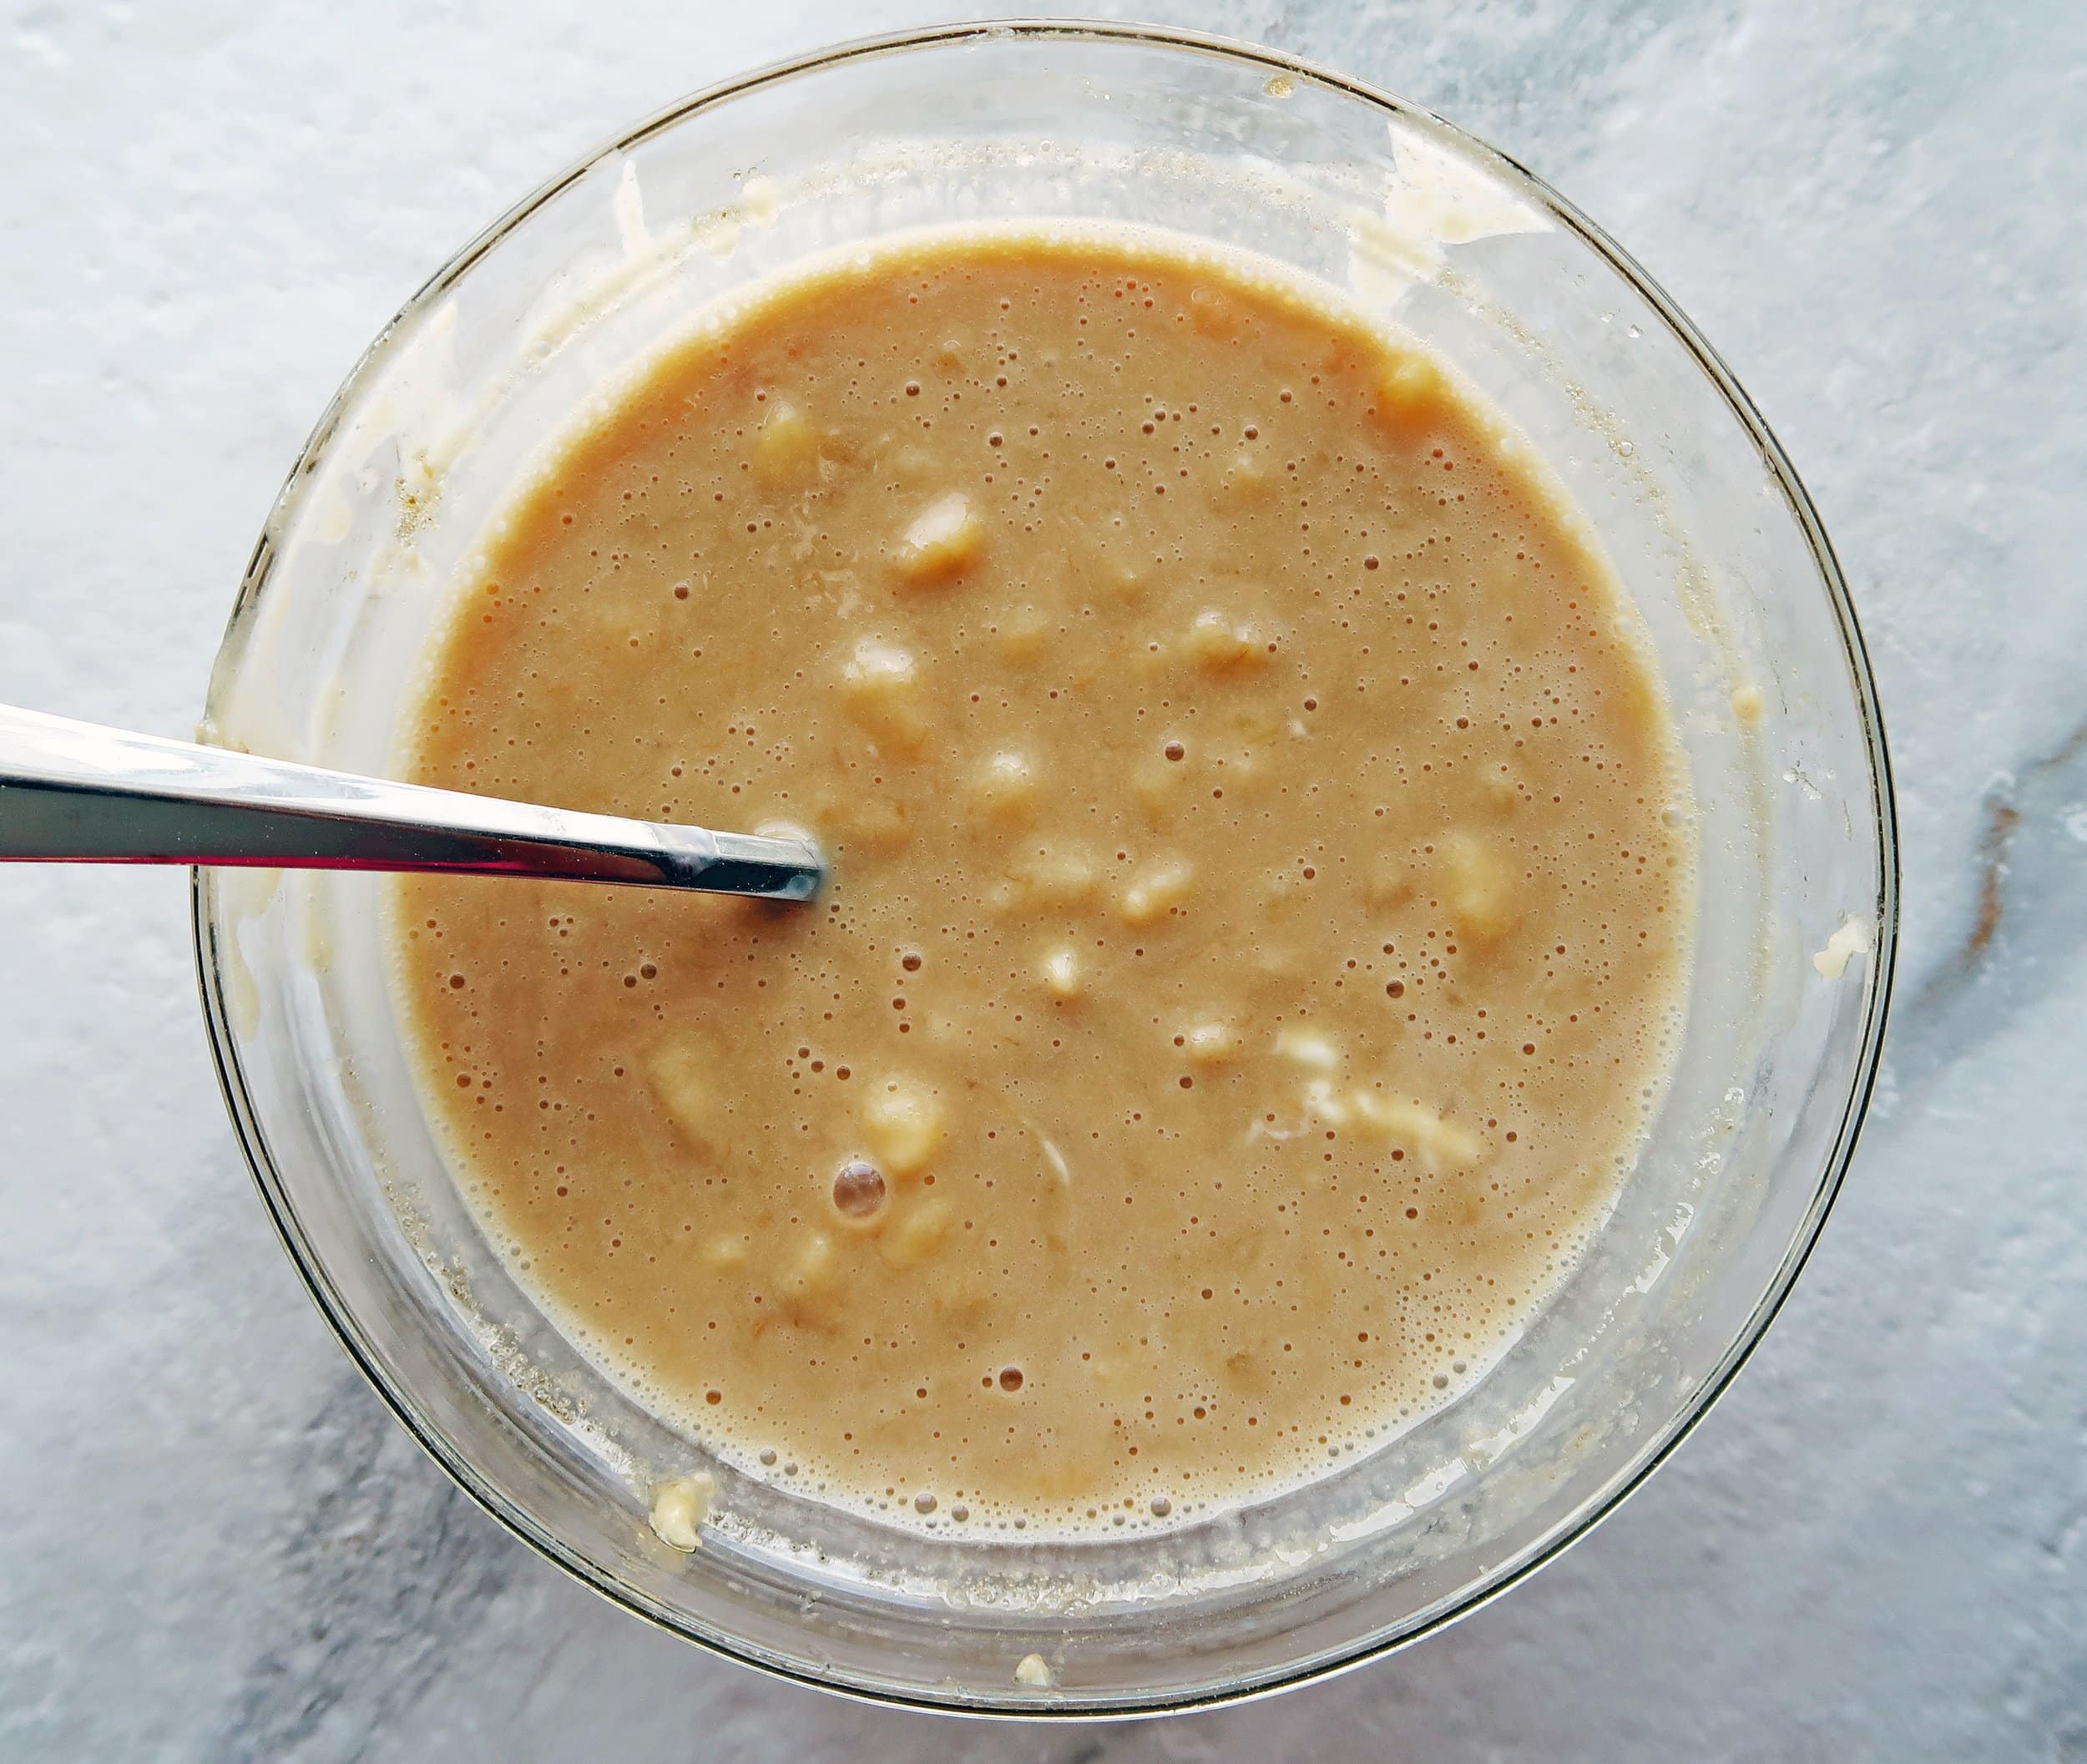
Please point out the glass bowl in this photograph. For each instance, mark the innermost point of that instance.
(1699, 511)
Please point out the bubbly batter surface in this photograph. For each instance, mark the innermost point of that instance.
(1260, 897)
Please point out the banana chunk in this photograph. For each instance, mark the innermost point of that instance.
(1310, 1048)
(786, 446)
(1034, 1671)
(679, 1506)
(1437, 1142)
(1061, 975)
(1410, 392)
(882, 688)
(1055, 876)
(904, 1122)
(1478, 887)
(678, 1072)
(1157, 890)
(945, 539)
(1006, 786)
(1219, 644)
(919, 1233)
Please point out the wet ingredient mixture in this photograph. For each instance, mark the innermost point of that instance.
(1260, 902)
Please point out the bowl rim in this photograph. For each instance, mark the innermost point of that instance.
(240, 1105)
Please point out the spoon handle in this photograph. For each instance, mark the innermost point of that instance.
(78, 793)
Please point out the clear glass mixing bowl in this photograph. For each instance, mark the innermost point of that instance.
(1700, 512)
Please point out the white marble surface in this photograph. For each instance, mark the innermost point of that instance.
(214, 1542)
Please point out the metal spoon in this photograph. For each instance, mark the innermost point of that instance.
(78, 793)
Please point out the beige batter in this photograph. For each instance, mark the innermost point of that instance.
(1259, 900)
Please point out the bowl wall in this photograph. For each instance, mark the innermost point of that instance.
(1693, 503)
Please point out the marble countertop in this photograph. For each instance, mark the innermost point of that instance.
(214, 1542)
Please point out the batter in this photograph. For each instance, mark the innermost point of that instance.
(1260, 899)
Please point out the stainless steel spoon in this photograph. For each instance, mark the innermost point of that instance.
(78, 793)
